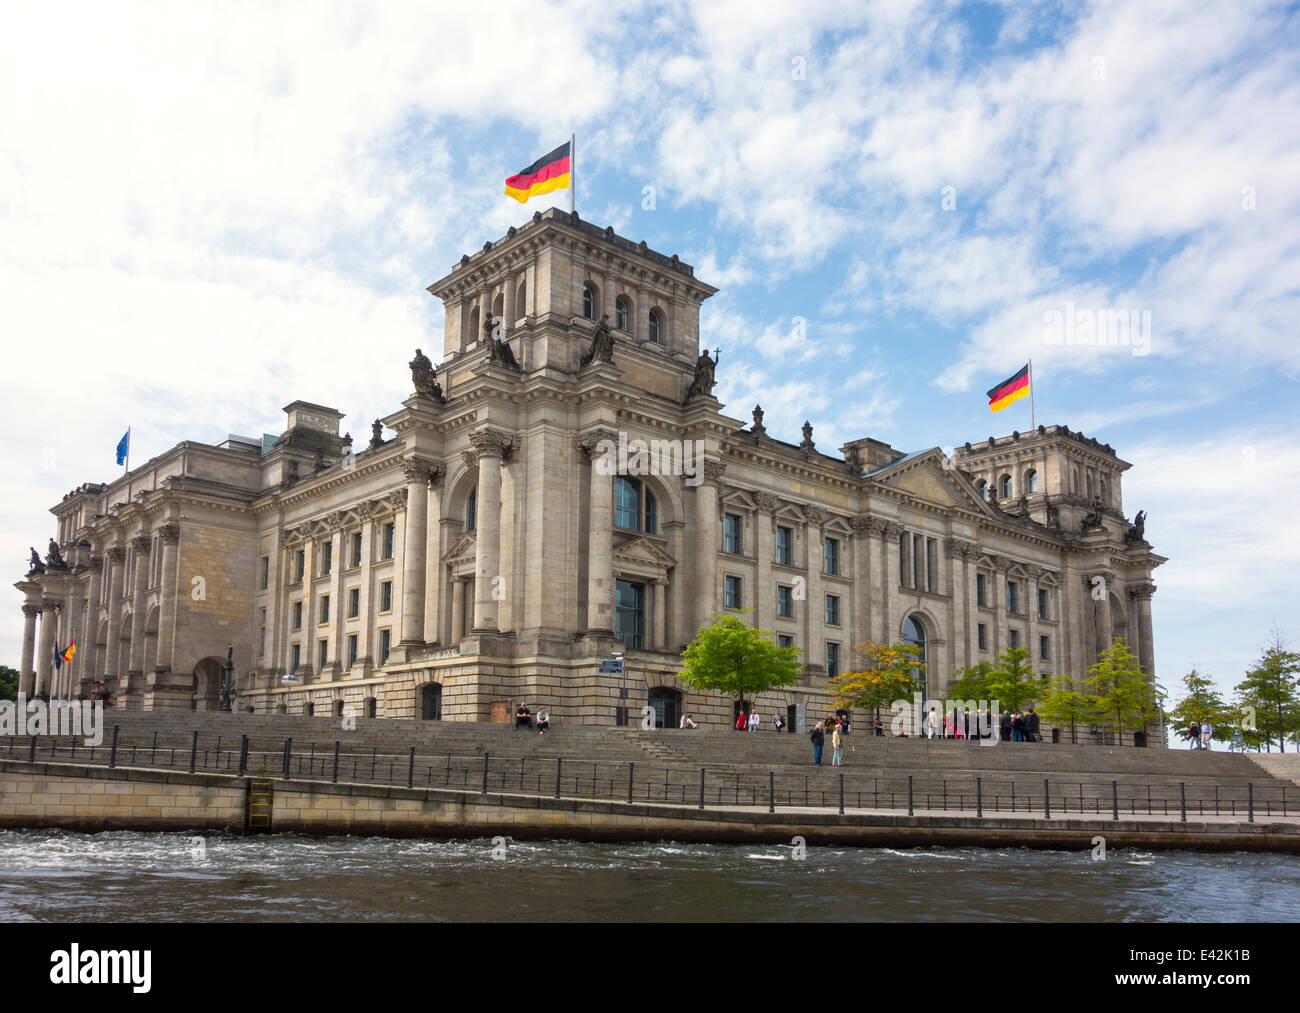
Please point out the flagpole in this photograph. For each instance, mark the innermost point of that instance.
(573, 168)
(127, 463)
(1032, 422)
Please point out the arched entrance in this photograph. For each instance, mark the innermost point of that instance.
(431, 702)
(914, 633)
(205, 690)
(667, 706)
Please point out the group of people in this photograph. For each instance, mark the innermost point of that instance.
(1021, 726)
(1199, 734)
(752, 722)
(524, 718)
(838, 727)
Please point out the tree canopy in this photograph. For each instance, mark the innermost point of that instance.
(1122, 689)
(885, 673)
(8, 683)
(1270, 694)
(738, 660)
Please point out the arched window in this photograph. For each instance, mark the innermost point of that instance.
(1101, 482)
(589, 300)
(656, 327)
(473, 329)
(521, 300)
(1074, 481)
(651, 513)
(1004, 487)
(1088, 478)
(621, 309)
(627, 504)
(914, 634)
(982, 488)
(1031, 482)
(471, 510)
(499, 306)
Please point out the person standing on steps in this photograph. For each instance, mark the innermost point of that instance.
(1207, 733)
(754, 720)
(837, 746)
(931, 723)
(818, 741)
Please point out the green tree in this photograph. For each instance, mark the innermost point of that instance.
(887, 672)
(973, 683)
(1270, 694)
(8, 683)
(738, 660)
(1202, 701)
(1012, 681)
(1122, 689)
(1063, 704)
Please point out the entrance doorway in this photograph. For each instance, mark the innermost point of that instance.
(431, 702)
(667, 704)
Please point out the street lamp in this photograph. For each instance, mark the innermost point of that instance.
(227, 698)
(622, 693)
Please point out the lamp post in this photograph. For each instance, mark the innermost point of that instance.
(618, 656)
(227, 698)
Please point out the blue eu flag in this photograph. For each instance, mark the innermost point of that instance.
(123, 446)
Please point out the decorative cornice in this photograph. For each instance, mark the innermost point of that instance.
(170, 534)
(957, 548)
(767, 503)
(115, 554)
(891, 529)
(1141, 592)
(31, 611)
(713, 471)
(141, 544)
(586, 443)
(817, 516)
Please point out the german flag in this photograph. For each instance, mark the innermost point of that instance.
(67, 655)
(550, 172)
(1010, 390)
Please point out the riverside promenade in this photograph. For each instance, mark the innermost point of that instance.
(246, 773)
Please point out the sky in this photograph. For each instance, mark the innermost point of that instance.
(210, 210)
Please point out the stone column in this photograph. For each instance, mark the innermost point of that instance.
(86, 667)
(1031, 611)
(641, 326)
(168, 595)
(115, 556)
(27, 671)
(45, 652)
(999, 590)
(955, 551)
(1146, 648)
(508, 306)
(433, 586)
(457, 609)
(140, 546)
(600, 535)
(484, 311)
(337, 631)
(366, 626)
(763, 595)
(74, 605)
(490, 445)
(815, 607)
(890, 576)
(415, 551)
(706, 563)
(661, 614)
(607, 297)
(1103, 632)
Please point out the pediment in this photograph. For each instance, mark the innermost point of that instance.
(640, 551)
(927, 476)
(464, 549)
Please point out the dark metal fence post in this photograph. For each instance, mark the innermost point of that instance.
(841, 793)
(1250, 802)
(243, 754)
(1114, 799)
(410, 770)
(701, 787)
(909, 795)
(631, 773)
(485, 771)
(771, 791)
(1182, 801)
(288, 751)
(194, 751)
(559, 772)
(112, 755)
(1047, 800)
(979, 796)
(336, 760)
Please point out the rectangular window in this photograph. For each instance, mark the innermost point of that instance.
(295, 658)
(1042, 603)
(324, 647)
(785, 546)
(1013, 638)
(629, 615)
(354, 602)
(733, 592)
(983, 632)
(265, 577)
(1044, 649)
(389, 529)
(385, 642)
(297, 615)
(784, 640)
(832, 660)
(918, 561)
(299, 563)
(833, 609)
(1012, 599)
(784, 602)
(931, 562)
(326, 558)
(904, 565)
(261, 634)
(832, 554)
(981, 589)
(352, 650)
(386, 596)
(324, 609)
(356, 548)
(627, 504)
(731, 534)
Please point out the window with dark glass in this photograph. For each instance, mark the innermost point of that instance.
(832, 660)
(784, 602)
(983, 633)
(297, 615)
(656, 327)
(1044, 651)
(326, 558)
(471, 510)
(299, 565)
(733, 592)
(784, 640)
(389, 530)
(981, 589)
(731, 534)
(1013, 638)
(629, 618)
(832, 555)
(352, 649)
(785, 546)
(914, 634)
(1042, 603)
(356, 548)
(324, 609)
(354, 602)
(1012, 599)
(385, 644)
(386, 596)
(621, 313)
(627, 503)
(833, 609)
(588, 300)
(265, 571)
(1004, 487)
(323, 652)
(295, 658)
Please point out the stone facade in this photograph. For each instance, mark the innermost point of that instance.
(484, 553)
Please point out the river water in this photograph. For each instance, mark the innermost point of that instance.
(129, 876)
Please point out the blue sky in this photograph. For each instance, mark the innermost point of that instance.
(207, 212)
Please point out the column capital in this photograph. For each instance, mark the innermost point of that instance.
(170, 533)
(416, 471)
(957, 548)
(95, 563)
(586, 443)
(713, 471)
(115, 554)
(51, 605)
(398, 496)
(817, 516)
(1141, 592)
(891, 529)
(767, 503)
(31, 611)
(491, 442)
(141, 544)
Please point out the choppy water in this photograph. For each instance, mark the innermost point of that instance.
(129, 876)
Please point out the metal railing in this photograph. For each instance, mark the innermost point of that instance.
(636, 781)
